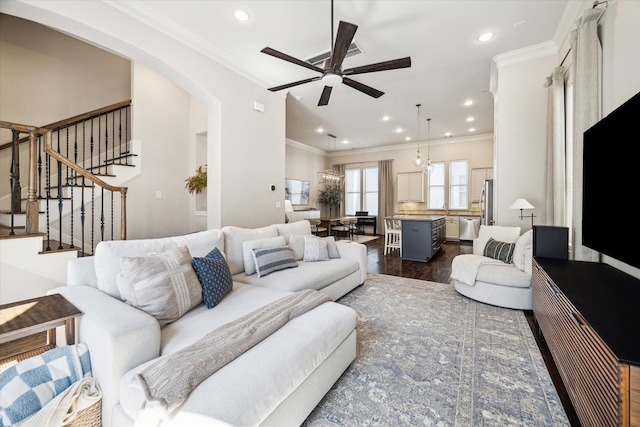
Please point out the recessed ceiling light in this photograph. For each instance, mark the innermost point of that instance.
(320, 130)
(385, 118)
(468, 103)
(399, 130)
(469, 119)
(241, 15)
(448, 134)
(485, 37)
(472, 129)
(408, 138)
(345, 141)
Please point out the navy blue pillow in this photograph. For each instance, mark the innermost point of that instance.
(214, 275)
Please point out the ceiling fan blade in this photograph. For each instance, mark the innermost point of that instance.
(362, 88)
(300, 82)
(324, 98)
(291, 59)
(379, 66)
(346, 31)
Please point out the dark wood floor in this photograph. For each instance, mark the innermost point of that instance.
(438, 269)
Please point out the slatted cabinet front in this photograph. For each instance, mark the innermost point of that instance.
(596, 381)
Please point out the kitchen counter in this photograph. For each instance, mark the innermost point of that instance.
(422, 236)
(418, 217)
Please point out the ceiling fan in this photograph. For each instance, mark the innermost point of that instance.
(332, 74)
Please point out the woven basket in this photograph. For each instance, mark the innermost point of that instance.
(88, 417)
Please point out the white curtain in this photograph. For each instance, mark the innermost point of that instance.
(555, 176)
(587, 60)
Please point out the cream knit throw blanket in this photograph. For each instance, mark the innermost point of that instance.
(168, 382)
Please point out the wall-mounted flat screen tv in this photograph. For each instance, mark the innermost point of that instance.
(296, 191)
(611, 184)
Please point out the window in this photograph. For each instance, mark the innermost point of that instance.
(361, 190)
(458, 198)
(436, 187)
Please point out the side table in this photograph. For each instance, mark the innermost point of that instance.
(23, 318)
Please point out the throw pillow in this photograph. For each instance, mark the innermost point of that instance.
(523, 243)
(331, 246)
(249, 245)
(504, 234)
(501, 251)
(163, 285)
(28, 386)
(315, 249)
(298, 227)
(268, 260)
(296, 244)
(214, 275)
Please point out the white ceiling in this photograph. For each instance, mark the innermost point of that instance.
(448, 65)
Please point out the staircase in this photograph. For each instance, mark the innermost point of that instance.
(75, 168)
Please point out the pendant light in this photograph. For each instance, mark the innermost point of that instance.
(418, 162)
(429, 167)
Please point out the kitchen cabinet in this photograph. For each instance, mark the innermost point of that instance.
(422, 236)
(411, 187)
(478, 176)
(452, 227)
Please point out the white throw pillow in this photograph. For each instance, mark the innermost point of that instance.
(523, 243)
(315, 249)
(234, 237)
(497, 232)
(296, 244)
(249, 245)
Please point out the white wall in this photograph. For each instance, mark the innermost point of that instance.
(303, 162)
(246, 147)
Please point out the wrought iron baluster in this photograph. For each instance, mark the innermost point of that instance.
(47, 161)
(59, 164)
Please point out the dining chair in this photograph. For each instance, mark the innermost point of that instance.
(316, 227)
(344, 229)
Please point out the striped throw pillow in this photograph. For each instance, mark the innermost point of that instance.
(499, 250)
(269, 260)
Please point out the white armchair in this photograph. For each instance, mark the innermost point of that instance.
(504, 282)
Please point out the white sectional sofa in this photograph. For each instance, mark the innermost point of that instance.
(490, 280)
(277, 382)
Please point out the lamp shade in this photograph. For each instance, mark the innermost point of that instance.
(521, 204)
(287, 206)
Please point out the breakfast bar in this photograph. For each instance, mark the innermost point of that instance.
(422, 236)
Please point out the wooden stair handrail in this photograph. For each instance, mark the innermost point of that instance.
(32, 208)
(70, 121)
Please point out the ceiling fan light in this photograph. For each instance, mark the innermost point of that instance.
(331, 79)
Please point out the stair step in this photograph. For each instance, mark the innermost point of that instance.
(55, 246)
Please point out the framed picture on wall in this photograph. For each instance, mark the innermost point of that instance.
(296, 191)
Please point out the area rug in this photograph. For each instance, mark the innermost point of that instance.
(427, 356)
(362, 239)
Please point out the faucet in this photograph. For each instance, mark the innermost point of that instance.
(445, 206)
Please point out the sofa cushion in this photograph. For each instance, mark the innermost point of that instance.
(277, 366)
(315, 249)
(308, 275)
(269, 260)
(298, 227)
(524, 243)
(503, 275)
(504, 234)
(499, 250)
(108, 253)
(234, 237)
(249, 245)
(163, 285)
(214, 275)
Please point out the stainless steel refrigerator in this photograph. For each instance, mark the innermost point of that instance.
(486, 203)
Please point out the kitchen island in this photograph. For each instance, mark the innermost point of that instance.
(422, 236)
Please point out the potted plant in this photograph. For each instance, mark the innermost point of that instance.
(330, 196)
(197, 182)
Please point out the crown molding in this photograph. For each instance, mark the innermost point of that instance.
(305, 147)
(530, 53)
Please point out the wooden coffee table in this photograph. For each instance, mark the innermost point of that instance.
(24, 318)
